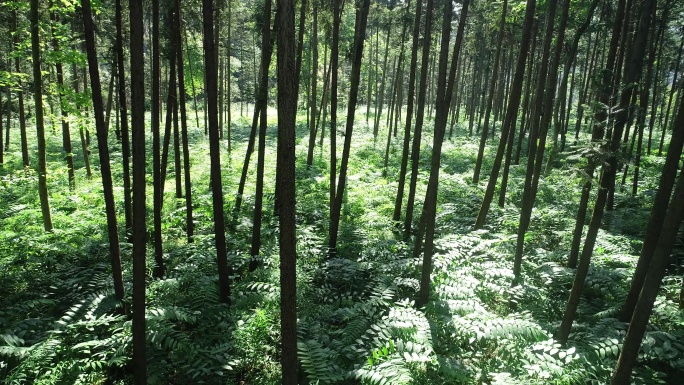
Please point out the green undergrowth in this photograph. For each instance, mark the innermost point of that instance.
(357, 323)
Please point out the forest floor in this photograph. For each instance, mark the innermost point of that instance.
(357, 323)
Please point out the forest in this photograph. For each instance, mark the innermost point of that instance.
(341, 192)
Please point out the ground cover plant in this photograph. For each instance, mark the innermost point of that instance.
(265, 217)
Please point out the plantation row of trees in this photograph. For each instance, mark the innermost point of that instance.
(535, 78)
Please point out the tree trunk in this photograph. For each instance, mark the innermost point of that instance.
(444, 94)
(66, 134)
(409, 113)
(511, 112)
(633, 67)
(125, 141)
(224, 269)
(103, 150)
(380, 101)
(40, 127)
(156, 145)
(539, 130)
(661, 255)
(261, 155)
(654, 229)
(314, 88)
(20, 93)
(490, 96)
(418, 130)
(673, 91)
(260, 107)
(334, 63)
(287, 110)
(139, 207)
(189, 224)
(361, 22)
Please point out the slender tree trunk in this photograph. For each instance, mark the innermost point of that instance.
(511, 112)
(314, 88)
(490, 96)
(125, 141)
(66, 134)
(444, 94)
(287, 110)
(190, 226)
(639, 320)
(2, 147)
(20, 94)
(110, 94)
(261, 157)
(362, 7)
(156, 144)
(259, 107)
(224, 269)
(334, 63)
(229, 76)
(539, 130)
(139, 206)
(417, 134)
(40, 127)
(654, 228)
(9, 112)
(633, 67)
(103, 150)
(170, 108)
(673, 91)
(409, 113)
(380, 101)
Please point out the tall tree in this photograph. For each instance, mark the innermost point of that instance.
(409, 113)
(445, 91)
(632, 73)
(66, 134)
(103, 150)
(420, 117)
(511, 112)
(123, 108)
(189, 224)
(156, 144)
(287, 111)
(224, 269)
(20, 93)
(263, 125)
(40, 126)
(139, 234)
(490, 94)
(546, 93)
(362, 7)
(644, 306)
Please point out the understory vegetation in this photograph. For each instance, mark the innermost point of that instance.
(59, 321)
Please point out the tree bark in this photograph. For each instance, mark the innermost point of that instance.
(224, 269)
(40, 126)
(103, 150)
(417, 133)
(633, 67)
(261, 155)
(409, 113)
(639, 320)
(444, 94)
(20, 94)
(66, 134)
(361, 22)
(511, 112)
(490, 96)
(125, 141)
(189, 224)
(287, 110)
(139, 198)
